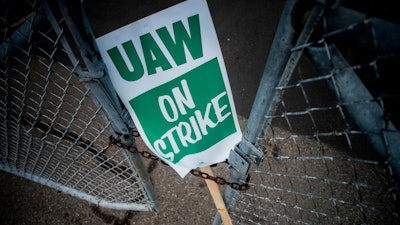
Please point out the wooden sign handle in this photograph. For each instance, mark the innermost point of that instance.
(217, 197)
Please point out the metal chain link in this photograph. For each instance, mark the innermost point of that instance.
(197, 173)
(133, 149)
(222, 181)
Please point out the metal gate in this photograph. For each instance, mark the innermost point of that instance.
(321, 144)
(58, 108)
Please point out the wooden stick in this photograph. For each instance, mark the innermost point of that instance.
(217, 197)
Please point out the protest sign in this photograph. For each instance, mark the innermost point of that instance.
(169, 72)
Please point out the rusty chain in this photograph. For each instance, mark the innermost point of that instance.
(133, 149)
(197, 173)
(222, 181)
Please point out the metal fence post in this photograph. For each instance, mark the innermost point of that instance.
(97, 80)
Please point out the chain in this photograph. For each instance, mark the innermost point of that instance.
(133, 149)
(222, 181)
(197, 173)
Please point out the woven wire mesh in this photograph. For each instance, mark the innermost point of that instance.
(51, 131)
(319, 165)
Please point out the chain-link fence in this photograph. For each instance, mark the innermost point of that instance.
(57, 112)
(321, 139)
(321, 145)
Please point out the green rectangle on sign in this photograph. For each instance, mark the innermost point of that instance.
(187, 115)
